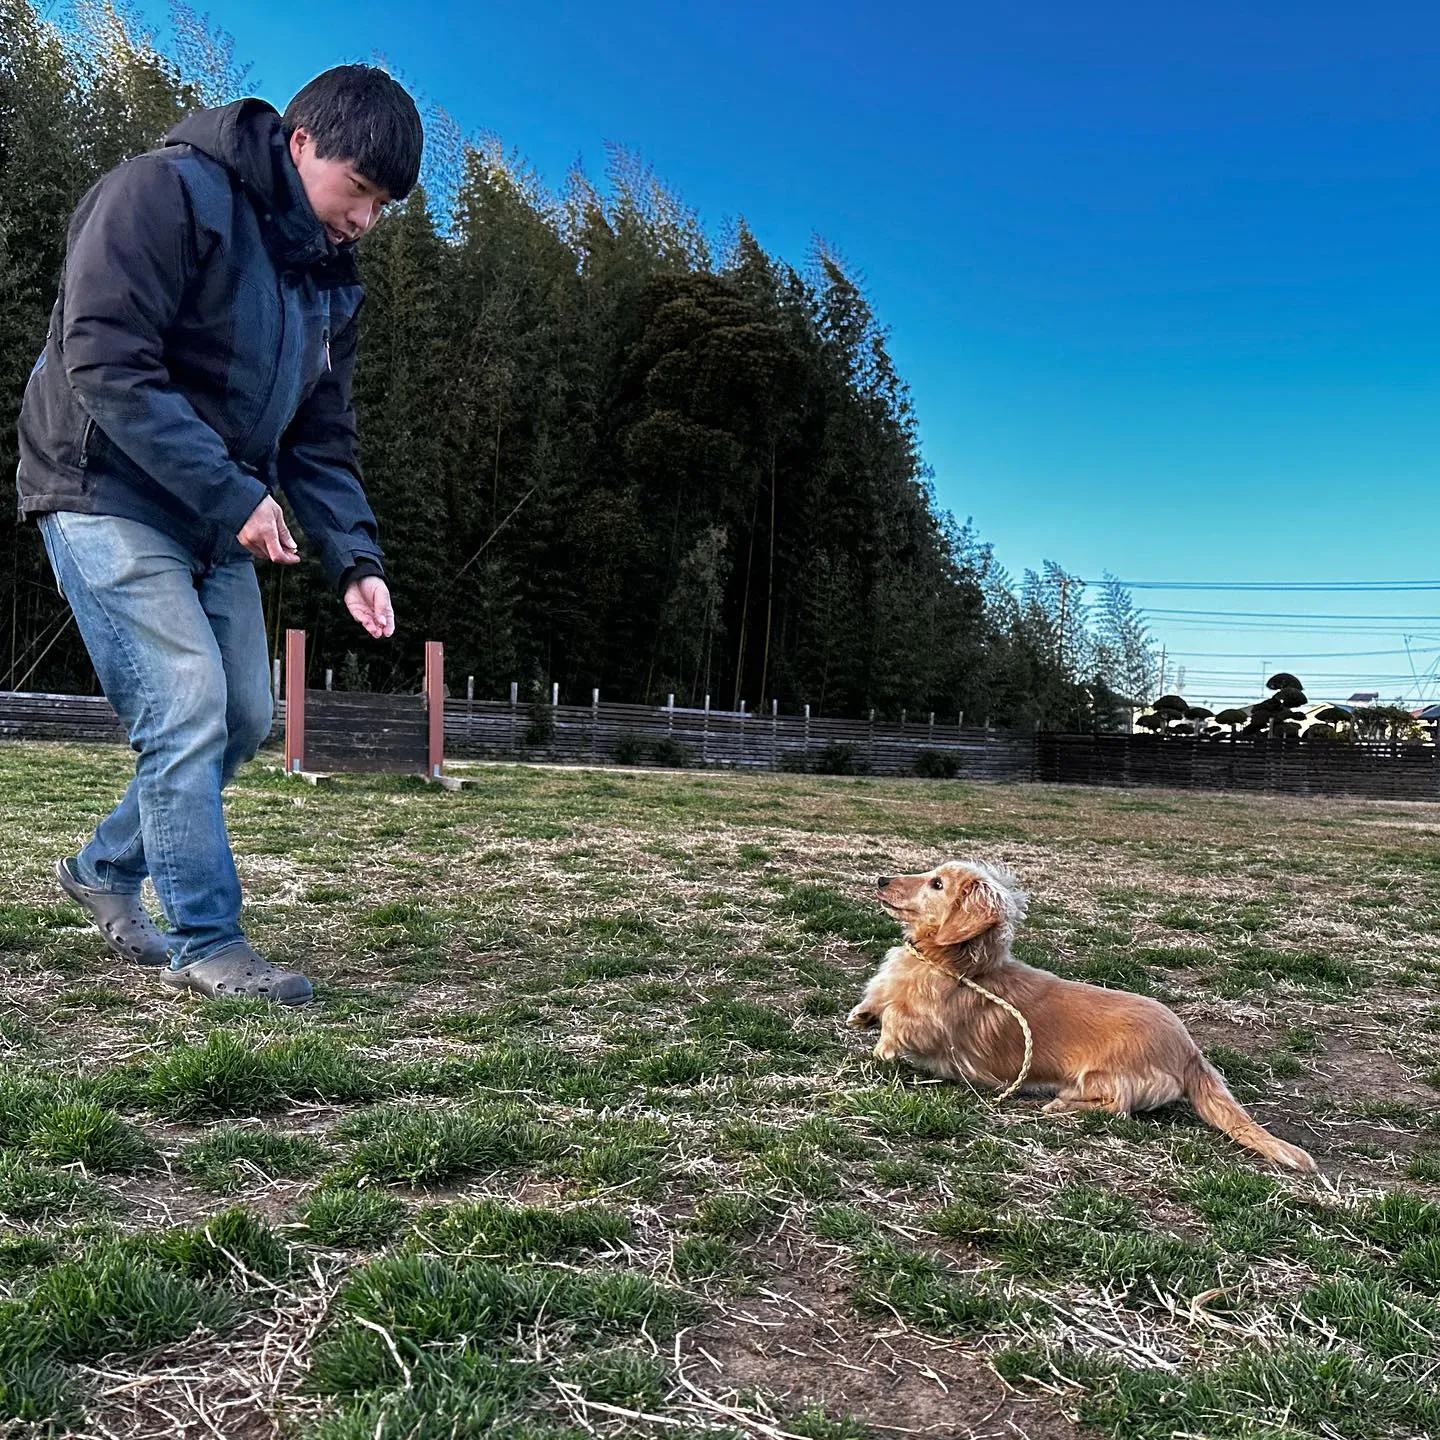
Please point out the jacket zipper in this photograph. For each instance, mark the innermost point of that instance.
(85, 443)
(325, 340)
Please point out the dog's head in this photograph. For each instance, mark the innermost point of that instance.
(954, 902)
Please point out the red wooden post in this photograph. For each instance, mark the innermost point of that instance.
(294, 701)
(435, 703)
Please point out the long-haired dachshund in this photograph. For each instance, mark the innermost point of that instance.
(1094, 1049)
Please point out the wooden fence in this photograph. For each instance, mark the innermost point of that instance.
(659, 735)
(1379, 770)
(606, 733)
(603, 733)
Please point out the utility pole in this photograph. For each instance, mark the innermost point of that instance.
(1161, 690)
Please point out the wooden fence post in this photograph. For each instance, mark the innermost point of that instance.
(294, 701)
(514, 716)
(870, 746)
(807, 735)
(594, 720)
(435, 703)
(705, 735)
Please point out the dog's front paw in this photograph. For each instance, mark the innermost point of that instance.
(887, 1050)
(861, 1018)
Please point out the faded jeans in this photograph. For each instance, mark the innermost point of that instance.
(179, 647)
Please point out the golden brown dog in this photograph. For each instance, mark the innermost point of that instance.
(1094, 1049)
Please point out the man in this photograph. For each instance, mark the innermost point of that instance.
(199, 354)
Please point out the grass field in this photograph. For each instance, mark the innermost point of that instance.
(574, 1142)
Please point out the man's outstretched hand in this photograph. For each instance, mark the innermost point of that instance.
(368, 600)
(266, 536)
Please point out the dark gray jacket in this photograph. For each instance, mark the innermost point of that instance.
(201, 349)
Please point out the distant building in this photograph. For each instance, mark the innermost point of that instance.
(1364, 697)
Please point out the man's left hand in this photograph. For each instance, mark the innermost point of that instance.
(368, 600)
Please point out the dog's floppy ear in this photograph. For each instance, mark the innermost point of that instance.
(974, 909)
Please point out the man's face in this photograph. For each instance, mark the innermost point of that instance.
(344, 201)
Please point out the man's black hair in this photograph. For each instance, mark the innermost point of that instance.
(358, 113)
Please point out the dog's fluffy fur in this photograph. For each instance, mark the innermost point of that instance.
(1093, 1048)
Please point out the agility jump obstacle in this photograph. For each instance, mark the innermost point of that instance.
(329, 731)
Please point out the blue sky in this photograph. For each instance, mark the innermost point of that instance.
(1162, 278)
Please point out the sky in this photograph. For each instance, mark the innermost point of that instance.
(1161, 277)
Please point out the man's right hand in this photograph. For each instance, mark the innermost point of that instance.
(266, 536)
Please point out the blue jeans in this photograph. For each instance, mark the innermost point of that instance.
(179, 647)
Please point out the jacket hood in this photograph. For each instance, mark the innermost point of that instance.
(247, 138)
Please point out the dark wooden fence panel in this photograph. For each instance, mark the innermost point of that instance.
(385, 733)
(657, 735)
(33, 716)
(30, 715)
(1381, 771)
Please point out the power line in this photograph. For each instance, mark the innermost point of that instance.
(1357, 678)
(1296, 627)
(1294, 615)
(1303, 654)
(1334, 586)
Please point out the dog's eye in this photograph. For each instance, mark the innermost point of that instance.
(937, 883)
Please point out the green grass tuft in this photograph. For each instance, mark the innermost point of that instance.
(493, 1230)
(235, 1072)
(404, 1146)
(32, 1192)
(233, 1156)
(83, 1132)
(428, 1303)
(728, 1214)
(351, 1219)
(824, 911)
(928, 1113)
(922, 1291)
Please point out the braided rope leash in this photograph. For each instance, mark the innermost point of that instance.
(1006, 1006)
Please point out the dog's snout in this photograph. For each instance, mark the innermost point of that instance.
(882, 882)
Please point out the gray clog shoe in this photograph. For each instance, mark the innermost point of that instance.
(122, 920)
(237, 970)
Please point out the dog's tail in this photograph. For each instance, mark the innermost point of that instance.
(1215, 1105)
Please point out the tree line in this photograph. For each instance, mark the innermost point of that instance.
(605, 449)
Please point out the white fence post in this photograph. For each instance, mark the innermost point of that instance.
(514, 716)
(329, 679)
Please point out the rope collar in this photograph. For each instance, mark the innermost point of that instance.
(1004, 1004)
